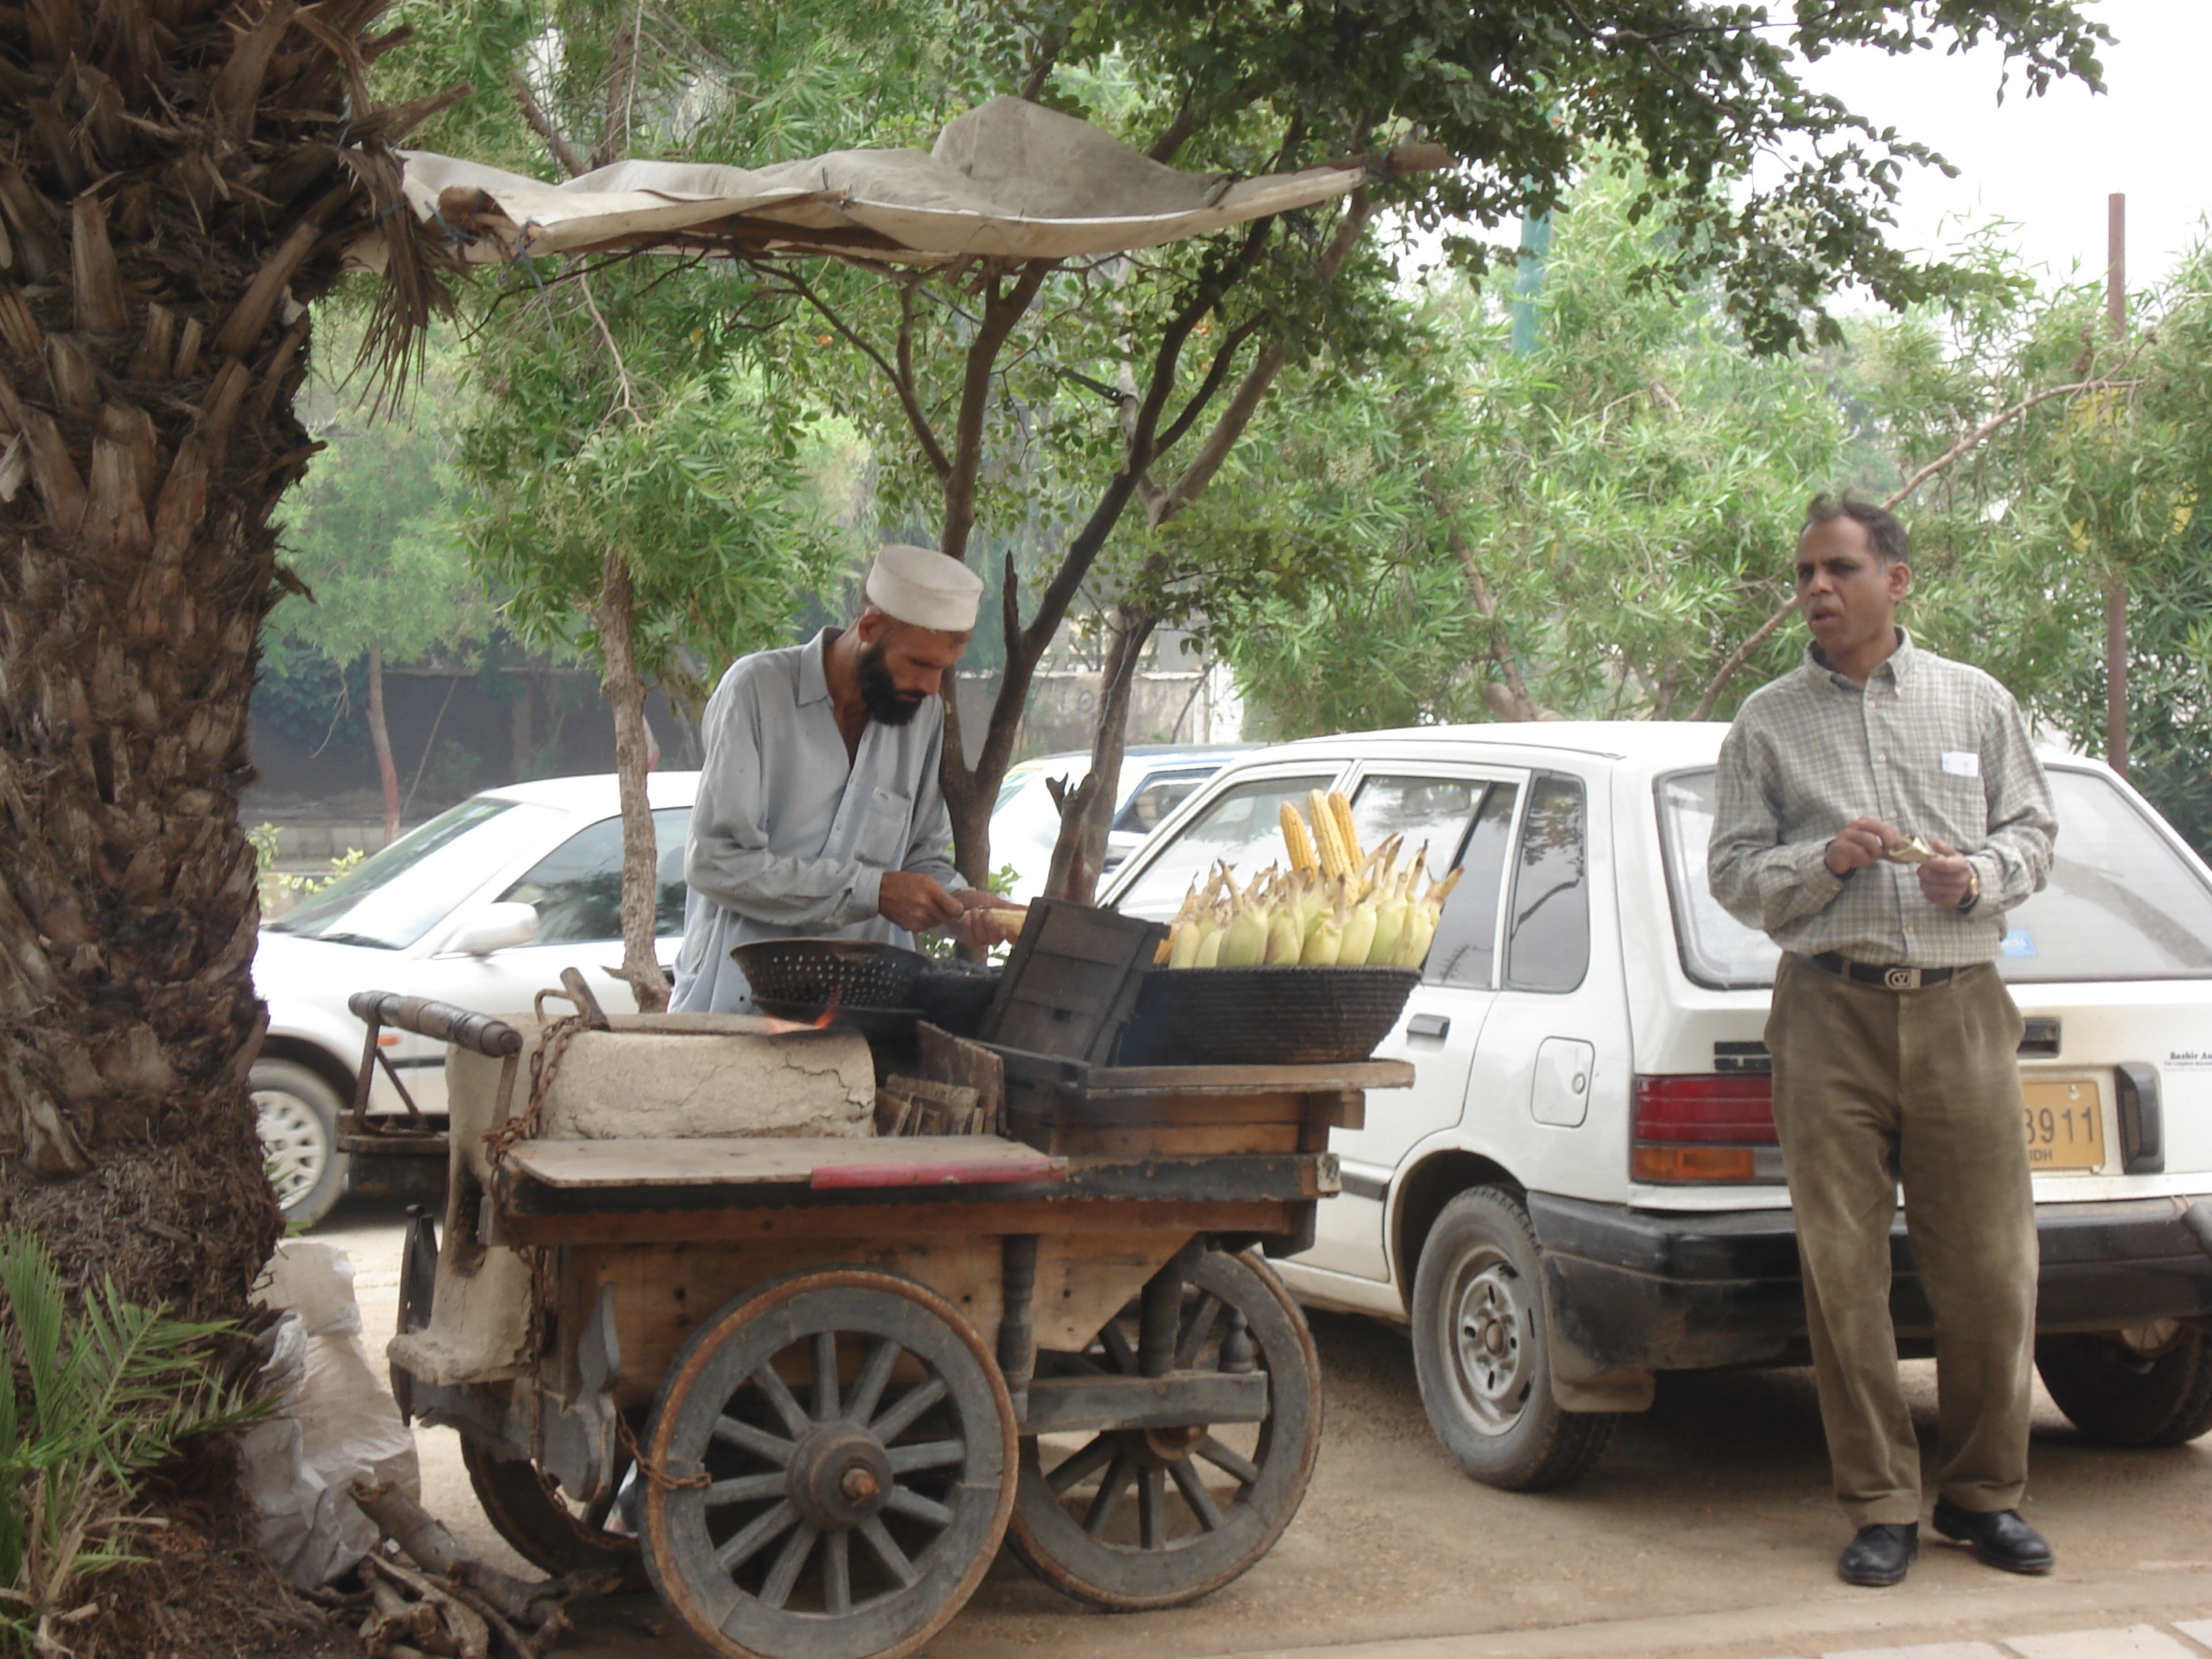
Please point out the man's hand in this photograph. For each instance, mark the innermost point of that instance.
(1947, 879)
(916, 902)
(988, 920)
(1860, 842)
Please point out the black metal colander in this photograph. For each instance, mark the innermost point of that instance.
(853, 972)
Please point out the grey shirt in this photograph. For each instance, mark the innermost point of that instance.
(790, 840)
(1930, 746)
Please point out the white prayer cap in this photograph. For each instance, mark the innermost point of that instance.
(924, 588)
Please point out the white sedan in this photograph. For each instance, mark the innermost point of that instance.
(483, 907)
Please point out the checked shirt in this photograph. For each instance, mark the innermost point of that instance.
(1932, 747)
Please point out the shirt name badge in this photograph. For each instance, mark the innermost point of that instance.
(1962, 763)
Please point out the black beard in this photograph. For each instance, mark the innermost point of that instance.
(886, 704)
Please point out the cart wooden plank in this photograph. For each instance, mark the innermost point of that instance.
(752, 1160)
(893, 1219)
(1249, 1079)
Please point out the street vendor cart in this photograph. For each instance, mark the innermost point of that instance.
(691, 1313)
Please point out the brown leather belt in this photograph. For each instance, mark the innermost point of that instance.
(1890, 979)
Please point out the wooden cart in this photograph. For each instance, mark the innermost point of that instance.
(843, 1369)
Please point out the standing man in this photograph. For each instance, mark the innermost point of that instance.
(820, 811)
(1878, 810)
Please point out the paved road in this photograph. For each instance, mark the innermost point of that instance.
(1705, 1531)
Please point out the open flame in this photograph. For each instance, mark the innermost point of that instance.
(819, 1023)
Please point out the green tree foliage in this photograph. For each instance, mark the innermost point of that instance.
(986, 389)
(369, 531)
(1627, 493)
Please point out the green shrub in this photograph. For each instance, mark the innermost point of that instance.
(92, 1397)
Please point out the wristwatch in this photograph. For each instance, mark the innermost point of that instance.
(1973, 890)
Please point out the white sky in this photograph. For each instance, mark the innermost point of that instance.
(2048, 164)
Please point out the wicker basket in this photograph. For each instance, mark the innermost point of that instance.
(854, 972)
(1263, 1016)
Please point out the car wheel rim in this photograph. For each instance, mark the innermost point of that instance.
(295, 1145)
(1488, 1337)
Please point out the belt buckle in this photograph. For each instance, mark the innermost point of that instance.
(1900, 979)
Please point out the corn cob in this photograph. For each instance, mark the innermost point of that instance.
(1359, 932)
(1209, 948)
(1328, 843)
(1340, 806)
(1295, 837)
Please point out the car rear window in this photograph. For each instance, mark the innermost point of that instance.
(2121, 903)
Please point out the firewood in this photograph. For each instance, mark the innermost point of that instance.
(432, 1547)
(470, 1631)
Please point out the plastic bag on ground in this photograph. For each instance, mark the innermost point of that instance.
(337, 1423)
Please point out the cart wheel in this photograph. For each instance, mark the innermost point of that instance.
(1206, 1505)
(859, 1446)
(542, 1526)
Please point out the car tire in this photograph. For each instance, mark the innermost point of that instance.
(299, 1114)
(2147, 1387)
(1482, 1351)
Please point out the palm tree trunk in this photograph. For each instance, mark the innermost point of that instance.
(172, 195)
(634, 757)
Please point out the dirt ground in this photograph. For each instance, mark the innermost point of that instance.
(1709, 1507)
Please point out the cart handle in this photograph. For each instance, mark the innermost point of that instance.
(484, 1033)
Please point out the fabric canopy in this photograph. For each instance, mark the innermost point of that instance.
(1009, 179)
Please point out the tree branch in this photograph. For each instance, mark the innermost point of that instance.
(622, 85)
(1974, 438)
(627, 398)
(1237, 415)
(1002, 309)
(566, 155)
(900, 376)
(1740, 655)
(1736, 659)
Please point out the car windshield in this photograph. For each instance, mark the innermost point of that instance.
(2121, 903)
(391, 900)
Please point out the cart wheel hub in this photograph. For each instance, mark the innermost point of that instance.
(1174, 1445)
(840, 1475)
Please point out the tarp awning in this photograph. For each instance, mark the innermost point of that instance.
(1009, 179)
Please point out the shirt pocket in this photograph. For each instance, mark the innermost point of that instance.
(890, 822)
(1958, 807)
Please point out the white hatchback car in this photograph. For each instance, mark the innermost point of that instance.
(1582, 1187)
(482, 907)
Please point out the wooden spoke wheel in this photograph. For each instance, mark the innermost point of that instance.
(856, 1445)
(1136, 1518)
(545, 1528)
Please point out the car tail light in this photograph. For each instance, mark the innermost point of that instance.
(1705, 1128)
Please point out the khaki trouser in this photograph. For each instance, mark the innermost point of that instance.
(1873, 1088)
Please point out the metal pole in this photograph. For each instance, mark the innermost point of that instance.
(2116, 579)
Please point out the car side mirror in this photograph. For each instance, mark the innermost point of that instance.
(496, 928)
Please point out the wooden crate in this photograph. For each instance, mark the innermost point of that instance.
(1071, 981)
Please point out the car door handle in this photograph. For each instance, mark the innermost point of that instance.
(1429, 1026)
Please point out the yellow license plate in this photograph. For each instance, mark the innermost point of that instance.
(2065, 1123)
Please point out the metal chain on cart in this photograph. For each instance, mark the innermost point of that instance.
(653, 1472)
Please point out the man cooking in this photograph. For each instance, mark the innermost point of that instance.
(819, 812)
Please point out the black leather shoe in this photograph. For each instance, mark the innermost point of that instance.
(1879, 1554)
(1999, 1537)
